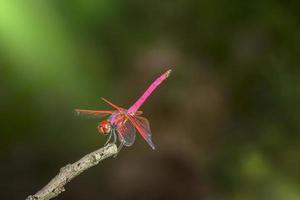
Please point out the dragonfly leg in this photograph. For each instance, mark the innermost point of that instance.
(119, 149)
(115, 136)
(109, 138)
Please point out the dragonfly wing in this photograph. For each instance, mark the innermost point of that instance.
(139, 112)
(94, 113)
(112, 105)
(143, 127)
(126, 132)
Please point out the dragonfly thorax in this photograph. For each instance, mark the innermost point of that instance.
(104, 127)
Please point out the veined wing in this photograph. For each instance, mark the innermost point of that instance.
(138, 112)
(143, 127)
(112, 105)
(126, 132)
(94, 113)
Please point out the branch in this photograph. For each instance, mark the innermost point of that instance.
(70, 171)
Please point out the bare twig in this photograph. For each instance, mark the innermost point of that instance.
(70, 171)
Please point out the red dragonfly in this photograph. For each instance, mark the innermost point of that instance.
(123, 123)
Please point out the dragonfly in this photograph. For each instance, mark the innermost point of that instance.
(122, 123)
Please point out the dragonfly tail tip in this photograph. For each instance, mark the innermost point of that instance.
(167, 73)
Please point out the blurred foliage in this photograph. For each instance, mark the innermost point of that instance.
(226, 124)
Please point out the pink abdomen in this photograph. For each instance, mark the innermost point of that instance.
(147, 93)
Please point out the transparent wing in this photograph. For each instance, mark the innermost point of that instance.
(126, 133)
(94, 113)
(139, 112)
(112, 105)
(143, 127)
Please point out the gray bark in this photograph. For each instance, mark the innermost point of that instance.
(70, 171)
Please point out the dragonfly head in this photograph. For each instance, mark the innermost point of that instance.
(104, 127)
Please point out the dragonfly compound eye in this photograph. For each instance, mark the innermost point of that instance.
(104, 127)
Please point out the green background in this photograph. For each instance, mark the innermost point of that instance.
(225, 124)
